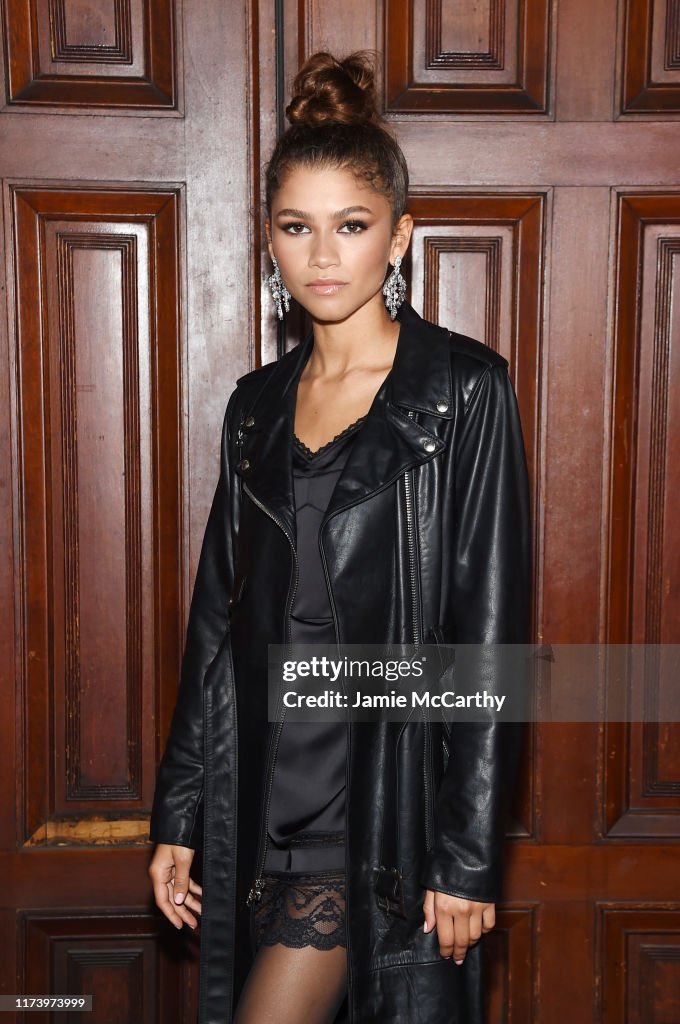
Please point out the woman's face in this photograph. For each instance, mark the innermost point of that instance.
(333, 239)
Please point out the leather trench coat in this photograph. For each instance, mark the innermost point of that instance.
(426, 539)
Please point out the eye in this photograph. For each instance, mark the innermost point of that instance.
(353, 227)
(294, 227)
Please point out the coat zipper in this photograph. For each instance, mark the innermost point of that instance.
(417, 635)
(336, 624)
(257, 888)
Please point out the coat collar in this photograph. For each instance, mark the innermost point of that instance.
(389, 441)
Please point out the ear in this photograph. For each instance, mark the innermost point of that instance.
(268, 235)
(401, 236)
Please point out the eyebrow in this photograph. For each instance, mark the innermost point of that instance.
(338, 215)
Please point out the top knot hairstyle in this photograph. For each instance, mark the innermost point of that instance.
(334, 122)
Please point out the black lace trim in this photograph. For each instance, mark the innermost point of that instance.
(301, 910)
(343, 432)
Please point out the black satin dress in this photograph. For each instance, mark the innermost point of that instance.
(304, 896)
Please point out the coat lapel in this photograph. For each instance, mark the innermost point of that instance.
(389, 442)
(266, 466)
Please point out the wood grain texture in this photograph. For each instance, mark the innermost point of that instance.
(497, 59)
(642, 781)
(60, 54)
(650, 69)
(90, 163)
(638, 955)
(100, 487)
(98, 35)
(461, 37)
(509, 963)
(119, 958)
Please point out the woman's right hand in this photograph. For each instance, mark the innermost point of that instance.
(176, 893)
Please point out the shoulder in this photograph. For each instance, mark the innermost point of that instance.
(250, 385)
(466, 354)
(254, 379)
(439, 352)
(475, 367)
(247, 386)
(473, 352)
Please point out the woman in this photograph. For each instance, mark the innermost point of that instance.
(373, 489)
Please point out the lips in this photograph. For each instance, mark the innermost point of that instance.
(326, 286)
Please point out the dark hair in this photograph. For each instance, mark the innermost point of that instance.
(335, 123)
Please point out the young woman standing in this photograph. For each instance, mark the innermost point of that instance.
(373, 489)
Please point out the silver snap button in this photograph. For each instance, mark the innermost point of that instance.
(428, 445)
(442, 406)
(244, 464)
(249, 422)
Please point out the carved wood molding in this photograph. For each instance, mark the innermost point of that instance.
(650, 56)
(411, 85)
(641, 795)
(136, 69)
(637, 958)
(98, 359)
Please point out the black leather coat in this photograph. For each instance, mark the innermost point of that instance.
(426, 539)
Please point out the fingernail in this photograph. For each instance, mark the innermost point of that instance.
(459, 962)
(179, 897)
(425, 928)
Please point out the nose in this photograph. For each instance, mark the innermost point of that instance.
(323, 251)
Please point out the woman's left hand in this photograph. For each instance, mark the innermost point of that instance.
(459, 922)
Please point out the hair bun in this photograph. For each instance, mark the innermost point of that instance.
(328, 90)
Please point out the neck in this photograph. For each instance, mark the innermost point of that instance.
(366, 339)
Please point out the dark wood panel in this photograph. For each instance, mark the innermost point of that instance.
(100, 486)
(539, 155)
(89, 189)
(115, 956)
(642, 779)
(308, 26)
(95, 472)
(510, 963)
(63, 54)
(462, 37)
(638, 956)
(86, 33)
(650, 79)
(468, 58)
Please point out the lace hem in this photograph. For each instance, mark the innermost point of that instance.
(345, 430)
(301, 910)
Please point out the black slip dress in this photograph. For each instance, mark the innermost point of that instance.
(303, 901)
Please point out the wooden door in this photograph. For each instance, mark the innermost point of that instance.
(128, 271)
(544, 155)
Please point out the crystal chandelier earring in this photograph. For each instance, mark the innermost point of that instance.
(394, 289)
(280, 293)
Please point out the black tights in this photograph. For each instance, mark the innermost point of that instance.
(299, 974)
(293, 986)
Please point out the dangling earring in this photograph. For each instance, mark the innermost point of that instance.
(279, 291)
(394, 289)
